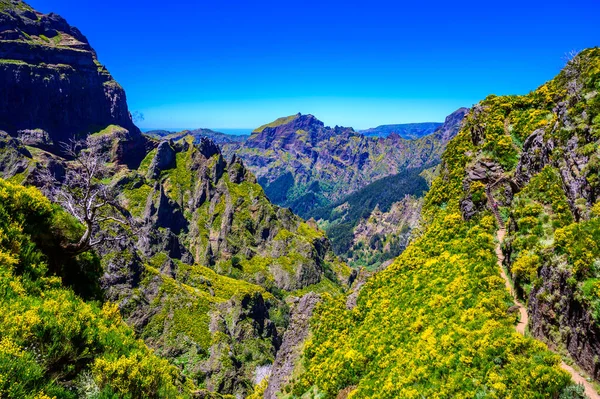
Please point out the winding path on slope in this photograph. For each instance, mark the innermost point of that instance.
(524, 319)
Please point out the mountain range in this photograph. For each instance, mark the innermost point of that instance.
(179, 269)
(304, 165)
(198, 134)
(408, 131)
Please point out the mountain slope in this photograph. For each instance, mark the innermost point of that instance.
(341, 220)
(408, 131)
(54, 343)
(439, 320)
(207, 268)
(304, 165)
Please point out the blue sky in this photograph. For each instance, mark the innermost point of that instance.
(239, 64)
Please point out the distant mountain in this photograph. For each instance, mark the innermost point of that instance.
(304, 165)
(198, 134)
(407, 131)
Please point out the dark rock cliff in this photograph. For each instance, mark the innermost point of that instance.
(52, 87)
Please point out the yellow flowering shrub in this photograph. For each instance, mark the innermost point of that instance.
(50, 336)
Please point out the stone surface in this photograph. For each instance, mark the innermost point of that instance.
(52, 87)
(293, 341)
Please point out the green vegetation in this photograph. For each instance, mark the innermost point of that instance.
(7, 5)
(107, 131)
(12, 62)
(54, 343)
(436, 323)
(433, 323)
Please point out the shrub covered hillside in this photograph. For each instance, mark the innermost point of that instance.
(437, 323)
(53, 343)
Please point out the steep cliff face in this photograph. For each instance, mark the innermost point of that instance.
(303, 164)
(52, 87)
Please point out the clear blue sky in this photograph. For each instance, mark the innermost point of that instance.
(239, 64)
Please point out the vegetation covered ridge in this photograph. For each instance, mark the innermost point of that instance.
(439, 322)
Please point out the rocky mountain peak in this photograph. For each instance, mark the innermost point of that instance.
(299, 132)
(451, 125)
(19, 22)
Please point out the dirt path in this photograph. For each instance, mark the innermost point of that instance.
(524, 320)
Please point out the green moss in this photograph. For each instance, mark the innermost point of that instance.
(136, 199)
(283, 235)
(6, 5)
(309, 232)
(107, 131)
(12, 62)
(145, 165)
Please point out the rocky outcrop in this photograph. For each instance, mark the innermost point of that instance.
(236, 321)
(555, 317)
(52, 87)
(451, 126)
(384, 235)
(163, 212)
(293, 341)
(536, 154)
(360, 280)
(14, 157)
(163, 160)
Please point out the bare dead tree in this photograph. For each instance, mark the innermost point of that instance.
(571, 56)
(83, 195)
